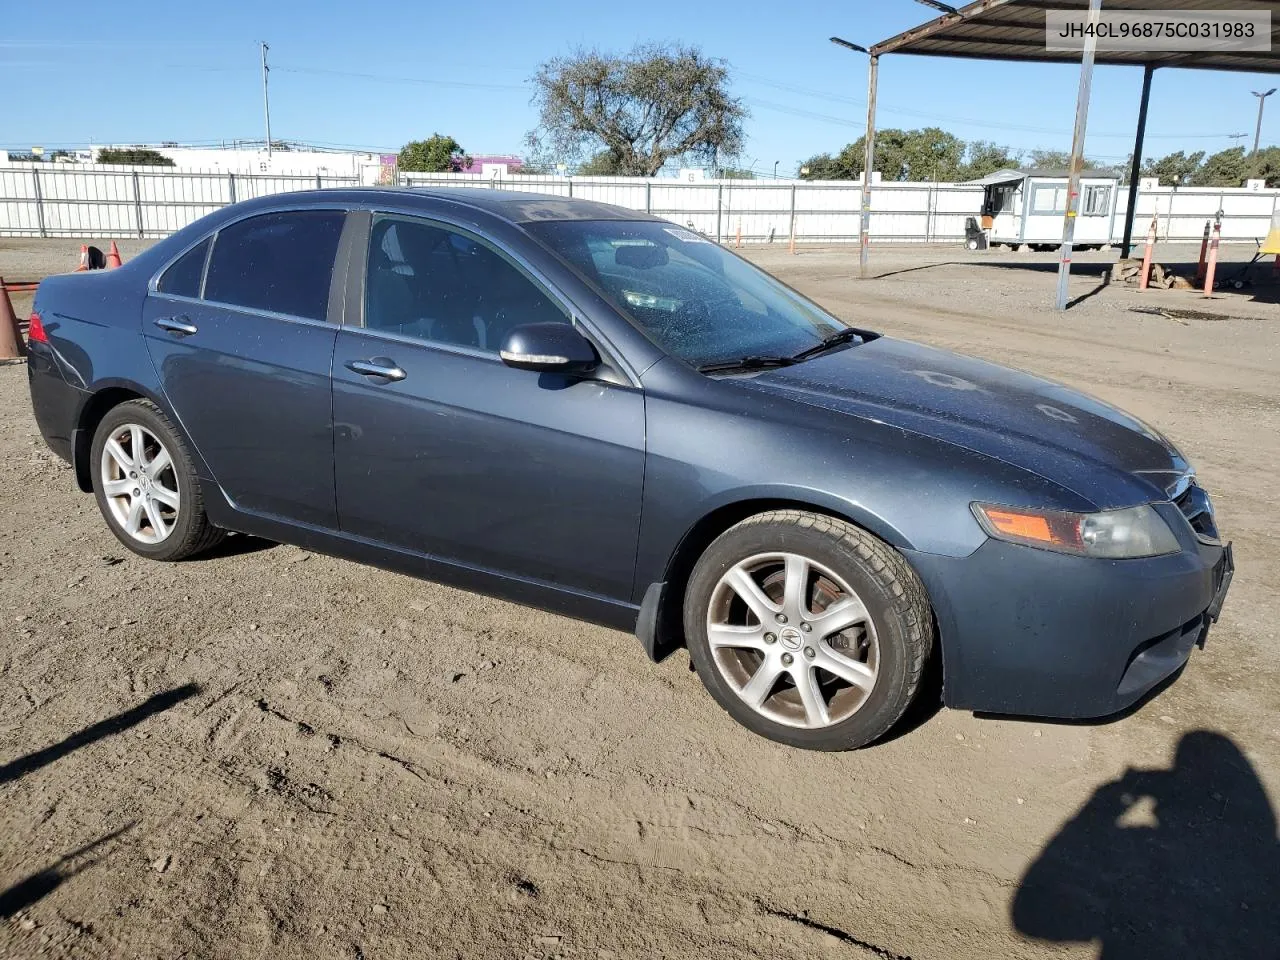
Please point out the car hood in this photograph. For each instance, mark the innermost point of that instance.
(1060, 434)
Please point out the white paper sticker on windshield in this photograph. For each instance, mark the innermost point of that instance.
(688, 236)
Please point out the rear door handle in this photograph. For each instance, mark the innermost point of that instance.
(377, 367)
(178, 325)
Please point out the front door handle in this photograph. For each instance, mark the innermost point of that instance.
(377, 367)
(178, 325)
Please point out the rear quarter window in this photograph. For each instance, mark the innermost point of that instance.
(280, 262)
(183, 277)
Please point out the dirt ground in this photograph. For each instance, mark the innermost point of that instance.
(270, 753)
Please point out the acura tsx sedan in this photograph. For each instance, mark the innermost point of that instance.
(603, 414)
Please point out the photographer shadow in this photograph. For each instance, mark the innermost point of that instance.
(1164, 863)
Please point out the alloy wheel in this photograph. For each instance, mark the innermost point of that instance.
(139, 483)
(793, 640)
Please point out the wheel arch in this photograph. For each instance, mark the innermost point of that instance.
(104, 398)
(661, 628)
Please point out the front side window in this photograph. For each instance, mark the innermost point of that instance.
(695, 299)
(183, 277)
(280, 262)
(434, 283)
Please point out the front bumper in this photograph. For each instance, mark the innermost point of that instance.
(1036, 633)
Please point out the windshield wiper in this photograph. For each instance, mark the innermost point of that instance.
(752, 362)
(830, 342)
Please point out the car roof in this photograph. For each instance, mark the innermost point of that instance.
(511, 205)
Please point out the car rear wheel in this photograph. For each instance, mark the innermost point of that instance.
(807, 629)
(145, 484)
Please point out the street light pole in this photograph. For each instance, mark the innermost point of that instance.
(266, 102)
(775, 168)
(1262, 101)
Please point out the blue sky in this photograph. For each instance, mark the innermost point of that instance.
(378, 74)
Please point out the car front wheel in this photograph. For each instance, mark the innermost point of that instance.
(807, 629)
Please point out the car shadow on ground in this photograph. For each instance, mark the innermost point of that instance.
(1159, 863)
(235, 544)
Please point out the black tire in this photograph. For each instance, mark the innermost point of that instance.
(192, 532)
(890, 590)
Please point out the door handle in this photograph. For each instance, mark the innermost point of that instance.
(178, 325)
(377, 367)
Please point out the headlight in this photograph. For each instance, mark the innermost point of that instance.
(1111, 534)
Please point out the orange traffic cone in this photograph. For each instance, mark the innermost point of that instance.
(11, 345)
(84, 258)
(113, 256)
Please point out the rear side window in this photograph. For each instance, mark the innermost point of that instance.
(282, 262)
(182, 279)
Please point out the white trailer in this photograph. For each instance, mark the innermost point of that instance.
(1026, 207)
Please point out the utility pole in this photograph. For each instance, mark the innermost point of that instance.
(869, 155)
(266, 101)
(1077, 153)
(1262, 100)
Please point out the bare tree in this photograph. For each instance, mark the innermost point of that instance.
(643, 108)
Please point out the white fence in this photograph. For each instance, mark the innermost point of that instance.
(109, 201)
(764, 210)
(104, 201)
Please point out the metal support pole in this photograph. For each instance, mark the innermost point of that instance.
(1257, 131)
(35, 180)
(570, 186)
(231, 186)
(1136, 166)
(1077, 152)
(648, 201)
(319, 185)
(930, 208)
(793, 220)
(719, 207)
(266, 102)
(137, 203)
(868, 164)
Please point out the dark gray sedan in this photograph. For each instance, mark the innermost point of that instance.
(601, 413)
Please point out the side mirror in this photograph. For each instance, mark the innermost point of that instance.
(548, 348)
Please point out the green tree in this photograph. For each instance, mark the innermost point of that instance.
(982, 157)
(928, 154)
(139, 156)
(436, 154)
(1265, 165)
(1042, 159)
(645, 107)
(606, 163)
(1226, 168)
(823, 166)
(1174, 169)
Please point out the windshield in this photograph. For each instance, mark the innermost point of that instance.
(697, 300)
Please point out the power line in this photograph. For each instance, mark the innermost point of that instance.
(385, 78)
(937, 117)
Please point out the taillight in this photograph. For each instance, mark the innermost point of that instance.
(35, 329)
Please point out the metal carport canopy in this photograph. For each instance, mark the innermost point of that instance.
(1015, 30)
